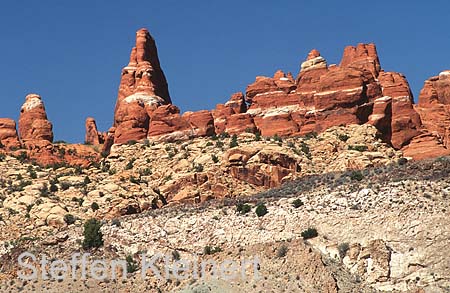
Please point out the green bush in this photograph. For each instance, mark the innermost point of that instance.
(261, 210)
(131, 264)
(359, 148)
(214, 158)
(115, 222)
(309, 233)
(208, 250)
(93, 237)
(69, 219)
(2, 157)
(343, 137)
(198, 168)
(277, 138)
(257, 136)
(356, 175)
(297, 203)
(176, 255)
(31, 172)
(94, 206)
(243, 208)
(402, 161)
(234, 141)
(282, 251)
(130, 164)
(343, 248)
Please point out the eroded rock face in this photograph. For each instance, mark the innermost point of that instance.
(33, 122)
(8, 133)
(267, 167)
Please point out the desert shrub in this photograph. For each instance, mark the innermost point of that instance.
(198, 168)
(214, 158)
(309, 233)
(87, 180)
(297, 203)
(69, 219)
(2, 157)
(44, 190)
(130, 164)
(115, 222)
(356, 175)
(234, 141)
(176, 255)
(208, 250)
(134, 180)
(94, 206)
(311, 135)
(359, 148)
(131, 142)
(22, 157)
(53, 186)
(282, 251)
(31, 172)
(261, 210)
(219, 144)
(343, 137)
(402, 161)
(257, 136)
(93, 237)
(146, 172)
(343, 248)
(243, 208)
(131, 264)
(209, 143)
(64, 185)
(277, 138)
(224, 135)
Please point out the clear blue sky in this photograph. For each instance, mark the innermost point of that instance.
(72, 52)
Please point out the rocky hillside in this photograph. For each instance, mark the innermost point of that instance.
(381, 229)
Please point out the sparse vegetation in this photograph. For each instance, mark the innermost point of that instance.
(243, 208)
(234, 141)
(261, 210)
(356, 175)
(297, 203)
(209, 250)
(214, 158)
(130, 164)
(94, 206)
(282, 251)
(309, 233)
(69, 219)
(343, 248)
(132, 265)
(93, 237)
(359, 148)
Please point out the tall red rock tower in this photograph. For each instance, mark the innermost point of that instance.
(143, 88)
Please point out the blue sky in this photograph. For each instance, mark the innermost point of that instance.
(72, 52)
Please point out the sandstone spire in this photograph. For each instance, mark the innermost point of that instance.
(33, 122)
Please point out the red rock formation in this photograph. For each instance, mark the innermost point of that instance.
(405, 123)
(202, 122)
(142, 89)
(8, 133)
(167, 124)
(434, 106)
(33, 122)
(425, 146)
(363, 56)
(93, 136)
